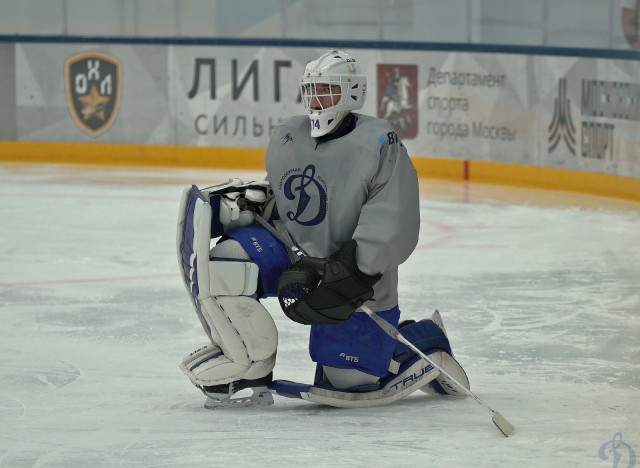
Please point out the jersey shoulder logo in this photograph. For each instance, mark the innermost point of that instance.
(310, 192)
(92, 83)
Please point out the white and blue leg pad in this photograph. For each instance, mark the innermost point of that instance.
(407, 373)
(242, 333)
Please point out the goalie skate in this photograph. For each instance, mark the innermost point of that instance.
(238, 394)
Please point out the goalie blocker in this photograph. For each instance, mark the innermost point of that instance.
(325, 290)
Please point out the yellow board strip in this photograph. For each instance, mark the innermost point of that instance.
(432, 168)
(253, 159)
(131, 155)
(555, 179)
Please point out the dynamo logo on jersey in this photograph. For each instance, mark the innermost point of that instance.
(310, 192)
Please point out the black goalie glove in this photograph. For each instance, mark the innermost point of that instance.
(325, 290)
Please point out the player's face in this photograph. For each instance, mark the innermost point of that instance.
(324, 96)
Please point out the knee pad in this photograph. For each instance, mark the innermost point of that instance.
(243, 334)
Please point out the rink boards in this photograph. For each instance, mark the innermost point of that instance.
(508, 115)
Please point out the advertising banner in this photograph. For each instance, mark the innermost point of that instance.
(557, 112)
(590, 111)
(233, 96)
(574, 113)
(101, 93)
(7, 95)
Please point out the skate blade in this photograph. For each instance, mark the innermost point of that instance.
(260, 397)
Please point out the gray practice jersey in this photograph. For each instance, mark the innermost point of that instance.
(361, 186)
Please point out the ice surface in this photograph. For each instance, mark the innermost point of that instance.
(540, 293)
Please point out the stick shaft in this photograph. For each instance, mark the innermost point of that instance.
(500, 421)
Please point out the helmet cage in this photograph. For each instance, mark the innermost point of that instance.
(331, 87)
(330, 92)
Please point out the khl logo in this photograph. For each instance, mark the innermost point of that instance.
(92, 84)
(618, 449)
(305, 188)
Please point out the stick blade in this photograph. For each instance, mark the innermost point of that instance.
(501, 423)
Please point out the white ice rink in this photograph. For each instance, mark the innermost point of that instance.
(539, 290)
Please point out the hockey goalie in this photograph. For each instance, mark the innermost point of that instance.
(325, 231)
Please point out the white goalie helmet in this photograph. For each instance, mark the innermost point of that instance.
(331, 87)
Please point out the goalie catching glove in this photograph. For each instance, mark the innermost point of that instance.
(325, 290)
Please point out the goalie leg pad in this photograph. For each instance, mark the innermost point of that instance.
(244, 340)
(443, 385)
(412, 377)
(410, 373)
(245, 329)
(428, 335)
(238, 325)
(230, 277)
(208, 367)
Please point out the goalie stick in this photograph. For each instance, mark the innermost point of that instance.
(500, 421)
